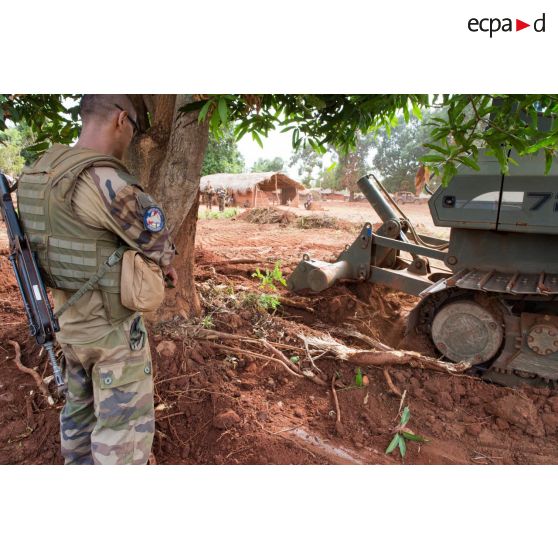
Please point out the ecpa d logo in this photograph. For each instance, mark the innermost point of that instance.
(493, 25)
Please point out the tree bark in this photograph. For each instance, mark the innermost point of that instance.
(167, 158)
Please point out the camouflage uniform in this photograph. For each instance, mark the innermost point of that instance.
(108, 417)
(221, 195)
(209, 198)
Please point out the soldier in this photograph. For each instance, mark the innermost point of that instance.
(209, 197)
(221, 194)
(83, 205)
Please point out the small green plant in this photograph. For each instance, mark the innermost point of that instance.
(295, 359)
(227, 214)
(207, 322)
(268, 282)
(269, 301)
(402, 434)
(269, 278)
(358, 376)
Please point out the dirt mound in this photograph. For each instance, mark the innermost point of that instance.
(267, 215)
(319, 222)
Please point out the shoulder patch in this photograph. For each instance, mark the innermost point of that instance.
(154, 219)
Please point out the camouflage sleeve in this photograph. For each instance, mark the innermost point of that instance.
(128, 212)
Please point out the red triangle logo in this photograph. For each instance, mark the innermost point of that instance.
(519, 25)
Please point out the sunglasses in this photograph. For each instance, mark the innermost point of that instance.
(134, 124)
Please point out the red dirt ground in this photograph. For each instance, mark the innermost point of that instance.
(216, 406)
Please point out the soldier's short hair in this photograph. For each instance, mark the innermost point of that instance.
(101, 107)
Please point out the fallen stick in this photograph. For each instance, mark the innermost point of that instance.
(38, 380)
(385, 357)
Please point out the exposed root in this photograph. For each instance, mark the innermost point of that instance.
(36, 376)
(338, 425)
(294, 304)
(393, 388)
(255, 355)
(384, 357)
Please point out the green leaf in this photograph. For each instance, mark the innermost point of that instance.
(435, 147)
(548, 158)
(416, 111)
(294, 359)
(203, 111)
(450, 171)
(402, 446)
(469, 163)
(432, 159)
(257, 139)
(358, 377)
(413, 437)
(406, 113)
(223, 110)
(393, 444)
(405, 416)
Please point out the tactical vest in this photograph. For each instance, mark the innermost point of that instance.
(69, 252)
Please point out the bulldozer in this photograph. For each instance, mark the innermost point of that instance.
(489, 295)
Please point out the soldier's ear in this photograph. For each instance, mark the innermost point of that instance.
(121, 118)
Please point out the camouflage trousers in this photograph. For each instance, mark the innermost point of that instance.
(108, 418)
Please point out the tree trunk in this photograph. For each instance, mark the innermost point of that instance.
(167, 158)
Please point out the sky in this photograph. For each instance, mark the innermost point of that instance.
(275, 145)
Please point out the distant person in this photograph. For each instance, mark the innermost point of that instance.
(221, 195)
(309, 200)
(209, 197)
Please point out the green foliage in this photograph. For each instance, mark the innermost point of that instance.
(353, 165)
(226, 214)
(52, 118)
(399, 152)
(263, 301)
(316, 120)
(269, 301)
(268, 165)
(498, 122)
(222, 154)
(403, 434)
(295, 359)
(269, 278)
(308, 161)
(13, 144)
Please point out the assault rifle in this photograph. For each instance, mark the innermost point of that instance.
(43, 325)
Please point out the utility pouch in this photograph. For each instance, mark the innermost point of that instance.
(142, 287)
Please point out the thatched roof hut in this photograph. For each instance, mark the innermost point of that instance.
(255, 189)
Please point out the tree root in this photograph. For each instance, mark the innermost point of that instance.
(383, 357)
(36, 376)
(393, 388)
(338, 425)
(254, 355)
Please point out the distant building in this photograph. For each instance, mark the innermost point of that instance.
(256, 189)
